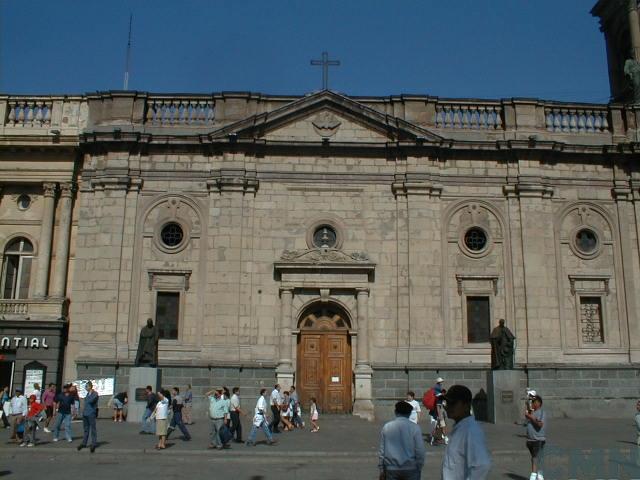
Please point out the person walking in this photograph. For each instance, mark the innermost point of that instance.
(401, 454)
(18, 411)
(235, 411)
(415, 407)
(276, 402)
(5, 404)
(536, 436)
(466, 455)
(89, 414)
(160, 414)
(31, 420)
(188, 405)
(295, 407)
(438, 413)
(63, 404)
(177, 406)
(313, 412)
(149, 427)
(218, 414)
(260, 421)
(48, 400)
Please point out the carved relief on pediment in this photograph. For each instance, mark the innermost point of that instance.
(323, 255)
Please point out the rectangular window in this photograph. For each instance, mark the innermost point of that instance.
(591, 320)
(478, 319)
(167, 314)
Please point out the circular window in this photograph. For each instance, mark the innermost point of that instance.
(475, 239)
(586, 241)
(172, 234)
(325, 237)
(24, 202)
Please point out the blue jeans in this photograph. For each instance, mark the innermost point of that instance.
(176, 420)
(89, 425)
(254, 431)
(60, 419)
(147, 426)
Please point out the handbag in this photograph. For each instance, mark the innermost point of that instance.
(6, 408)
(225, 434)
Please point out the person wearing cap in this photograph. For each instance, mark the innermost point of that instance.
(218, 414)
(401, 453)
(536, 435)
(466, 455)
(438, 413)
(89, 414)
(18, 411)
(64, 401)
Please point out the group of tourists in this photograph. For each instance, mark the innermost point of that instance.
(24, 416)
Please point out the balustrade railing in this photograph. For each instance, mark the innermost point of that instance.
(29, 112)
(576, 120)
(180, 111)
(13, 307)
(469, 115)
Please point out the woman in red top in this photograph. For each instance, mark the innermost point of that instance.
(31, 422)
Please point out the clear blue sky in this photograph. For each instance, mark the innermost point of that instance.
(551, 49)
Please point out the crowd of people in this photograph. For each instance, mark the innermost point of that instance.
(402, 446)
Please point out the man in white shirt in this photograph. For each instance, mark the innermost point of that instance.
(415, 413)
(18, 411)
(466, 456)
(276, 401)
(260, 421)
(235, 411)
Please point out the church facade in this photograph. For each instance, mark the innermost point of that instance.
(358, 247)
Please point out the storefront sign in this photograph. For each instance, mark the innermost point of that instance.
(104, 386)
(24, 342)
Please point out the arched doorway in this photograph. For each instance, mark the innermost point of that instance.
(324, 358)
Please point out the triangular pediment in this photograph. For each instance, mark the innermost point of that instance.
(325, 116)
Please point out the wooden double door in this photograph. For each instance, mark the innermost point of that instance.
(324, 365)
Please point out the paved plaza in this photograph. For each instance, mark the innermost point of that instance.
(345, 448)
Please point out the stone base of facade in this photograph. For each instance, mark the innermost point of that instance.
(567, 392)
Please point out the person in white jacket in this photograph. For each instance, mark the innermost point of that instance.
(466, 456)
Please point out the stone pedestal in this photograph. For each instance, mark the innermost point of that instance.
(363, 404)
(139, 378)
(284, 377)
(504, 405)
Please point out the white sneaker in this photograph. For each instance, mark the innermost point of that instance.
(446, 440)
(47, 430)
(69, 440)
(22, 444)
(540, 477)
(29, 444)
(55, 439)
(533, 476)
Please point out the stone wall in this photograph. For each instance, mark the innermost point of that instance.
(201, 379)
(566, 392)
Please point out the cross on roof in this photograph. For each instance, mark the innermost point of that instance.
(325, 63)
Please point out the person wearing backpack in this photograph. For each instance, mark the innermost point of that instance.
(433, 402)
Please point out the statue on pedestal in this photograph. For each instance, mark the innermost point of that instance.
(502, 347)
(148, 346)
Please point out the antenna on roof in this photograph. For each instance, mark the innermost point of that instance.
(128, 63)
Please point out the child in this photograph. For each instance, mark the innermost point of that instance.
(161, 414)
(31, 421)
(313, 411)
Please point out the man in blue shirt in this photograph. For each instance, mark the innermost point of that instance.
(401, 454)
(64, 401)
(89, 415)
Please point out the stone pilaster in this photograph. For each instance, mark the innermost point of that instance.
(46, 235)
(363, 404)
(62, 247)
(285, 371)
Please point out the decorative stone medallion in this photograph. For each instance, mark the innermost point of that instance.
(326, 124)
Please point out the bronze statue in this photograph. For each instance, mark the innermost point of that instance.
(502, 347)
(632, 71)
(148, 346)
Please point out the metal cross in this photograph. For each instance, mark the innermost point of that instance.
(325, 63)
